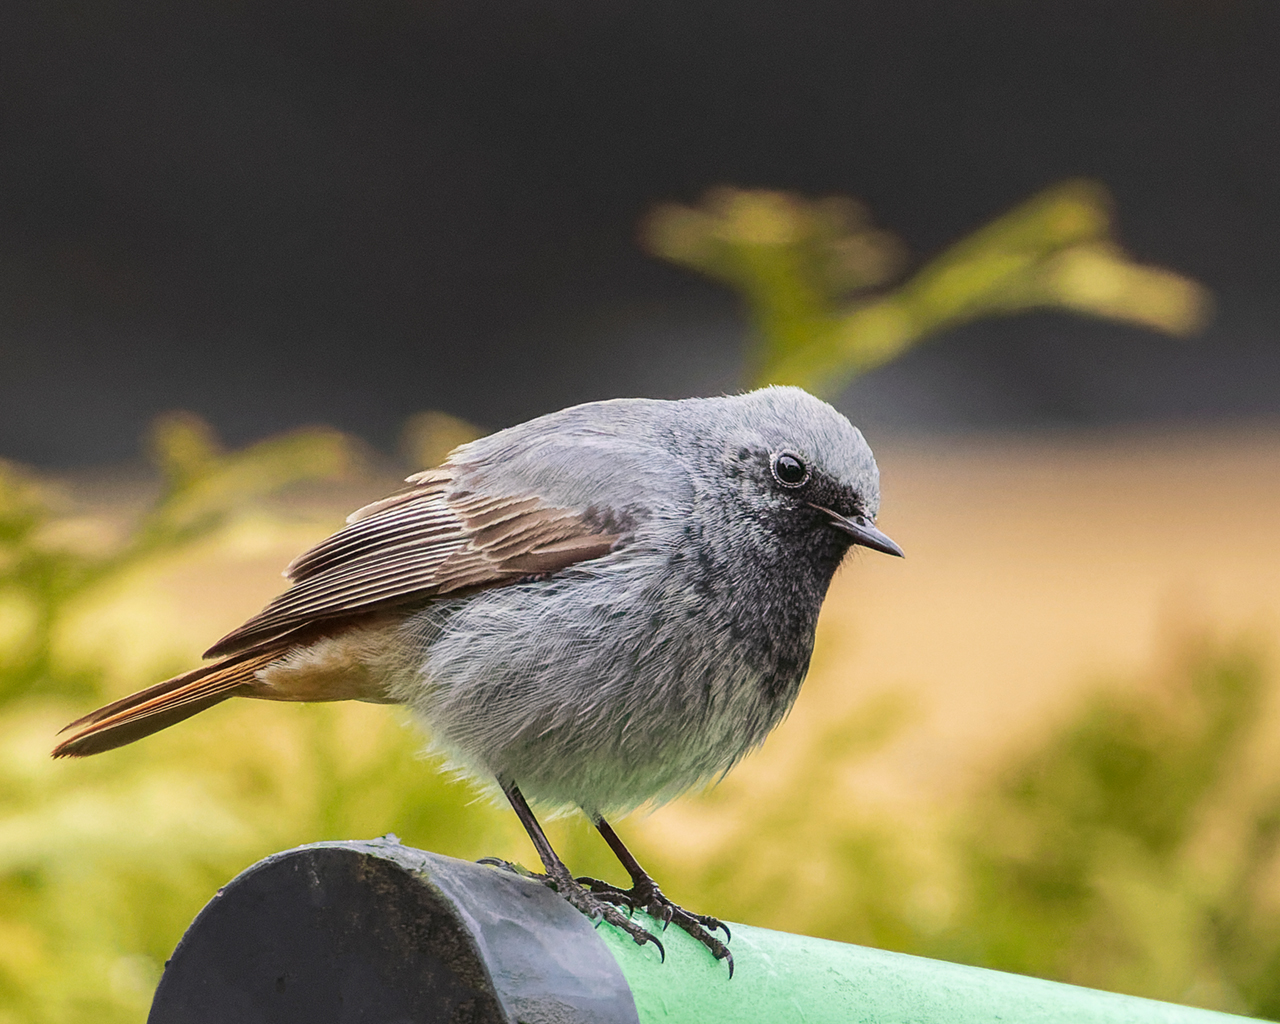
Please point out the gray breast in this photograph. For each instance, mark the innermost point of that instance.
(626, 680)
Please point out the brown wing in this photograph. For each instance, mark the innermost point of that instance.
(422, 542)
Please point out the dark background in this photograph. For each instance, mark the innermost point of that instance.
(289, 212)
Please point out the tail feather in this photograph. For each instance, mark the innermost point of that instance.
(160, 706)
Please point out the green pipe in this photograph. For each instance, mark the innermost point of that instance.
(377, 931)
(781, 978)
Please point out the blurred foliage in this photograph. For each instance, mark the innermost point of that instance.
(428, 437)
(43, 571)
(1135, 849)
(814, 274)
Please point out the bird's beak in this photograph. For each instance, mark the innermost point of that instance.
(862, 532)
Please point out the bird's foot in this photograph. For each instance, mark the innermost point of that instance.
(596, 908)
(645, 895)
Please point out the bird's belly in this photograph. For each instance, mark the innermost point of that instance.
(583, 695)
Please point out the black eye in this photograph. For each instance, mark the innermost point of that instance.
(789, 470)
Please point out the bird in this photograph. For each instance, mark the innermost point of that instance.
(596, 610)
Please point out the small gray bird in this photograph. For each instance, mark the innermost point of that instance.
(601, 608)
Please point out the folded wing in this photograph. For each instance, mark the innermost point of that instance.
(424, 542)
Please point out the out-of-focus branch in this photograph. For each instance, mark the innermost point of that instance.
(814, 274)
(204, 487)
(204, 484)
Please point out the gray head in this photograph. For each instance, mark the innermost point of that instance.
(785, 460)
(799, 464)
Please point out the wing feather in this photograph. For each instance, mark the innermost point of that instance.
(426, 541)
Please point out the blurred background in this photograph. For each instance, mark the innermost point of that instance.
(259, 261)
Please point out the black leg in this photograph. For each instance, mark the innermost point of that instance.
(645, 895)
(559, 878)
(551, 861)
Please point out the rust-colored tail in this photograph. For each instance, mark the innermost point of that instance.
(160, 706)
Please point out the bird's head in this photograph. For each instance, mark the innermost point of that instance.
(775, 463)
(804, 470)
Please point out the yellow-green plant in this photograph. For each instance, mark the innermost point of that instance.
(85, 868)
(815, 275)
(1135, 849)
(202, 486)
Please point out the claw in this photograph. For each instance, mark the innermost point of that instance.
(662, 950)
(639, 934)
(604, 902)
(649, 898)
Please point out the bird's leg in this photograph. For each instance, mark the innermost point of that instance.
(559, 878)
(645, 895)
